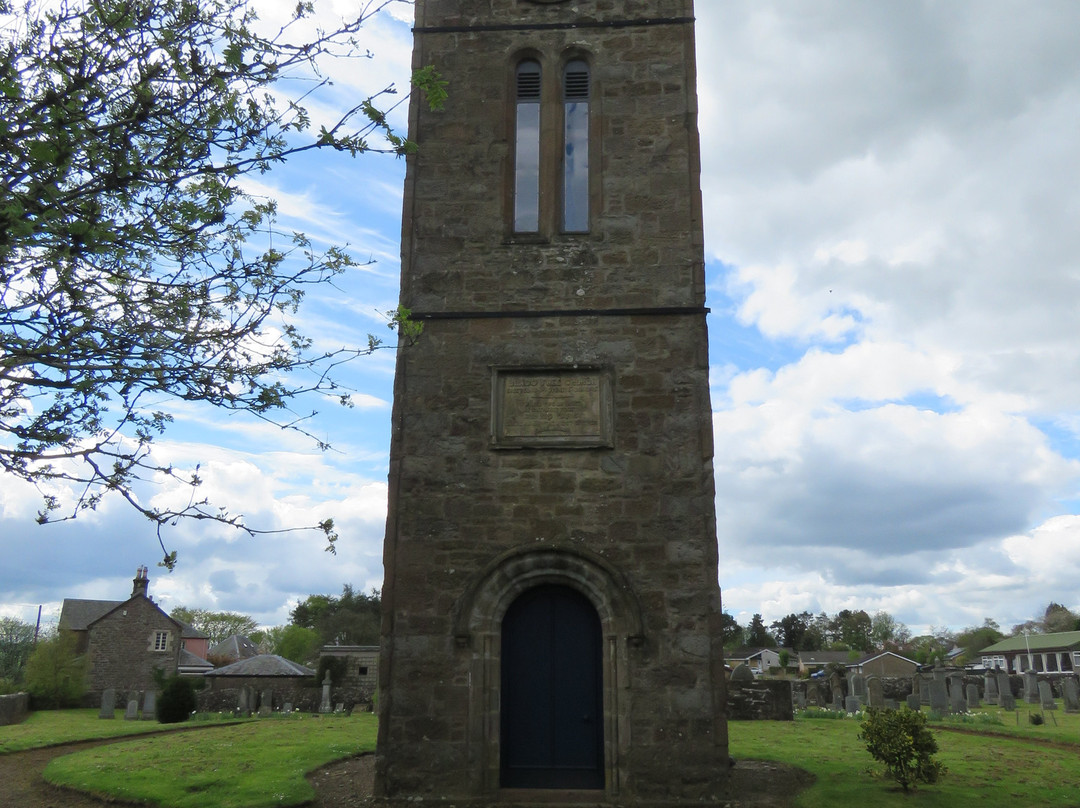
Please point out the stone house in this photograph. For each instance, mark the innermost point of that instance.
(884, 663)
(272, 680)
(1056, 652)
(126, 641)
(361, 678)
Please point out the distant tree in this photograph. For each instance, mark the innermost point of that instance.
(886, 632)
(791, 631)
(136, 270)
(218, 625)
(299, 644)
(852, 629)
(731, 633)
(1059, 618)
(975, 638)
(757, 636)
(55, 676)
(16, 644)
(349, 619)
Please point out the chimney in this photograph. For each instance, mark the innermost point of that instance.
(141, 582)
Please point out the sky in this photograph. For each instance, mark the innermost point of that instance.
(891, 194)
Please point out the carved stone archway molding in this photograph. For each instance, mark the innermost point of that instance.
(477, 621)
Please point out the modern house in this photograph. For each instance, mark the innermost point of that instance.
(126, 641)
(815, 661)
(759, 660)
(1058, 652)
(884, 663)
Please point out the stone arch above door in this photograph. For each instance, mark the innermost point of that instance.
(481, 607)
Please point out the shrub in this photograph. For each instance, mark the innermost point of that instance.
(177, 701)
(55, 676)
(901, 740)
(1035, 718)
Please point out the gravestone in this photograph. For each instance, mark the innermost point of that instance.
(742, 673)
(287, 709)
(838, 703)
(990, 688)
(266, 703)
(858, 687)
(551, 447)
(939, 696)
(1004, 684)
(836, 684)
(1031, 687)
(800, 700)
(324, 705)
(339, 707)
(149, 705)
(1046, 696)
(132, 711)
(957, 699)
(1070, 692)
(972, 696)
(852, 704)
(914, 702)
(1008, 701)
(243, 702)
(108, 703)
(924, 691)
(875, 692)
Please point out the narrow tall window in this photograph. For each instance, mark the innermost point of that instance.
(576, 148)
(527, 149)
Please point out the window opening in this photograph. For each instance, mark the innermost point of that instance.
(161, 640)
(527, 149)
(576, 147)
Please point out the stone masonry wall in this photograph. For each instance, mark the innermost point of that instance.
(14, 708)
(121, 647)
(760, 700)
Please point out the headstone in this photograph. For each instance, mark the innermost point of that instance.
(132, 711)
(836, 684)
(1008, 701)
(1070, 691)
(858, 687)
(800, 700)
(1031, 687)
(875, 692)
(972, 696)
(990, 688)
(1004, 684)
(742, 673)
(892, 704)
(339, 707)
(1046, 697)
(108, 703)
(914, 702)
(957, 700)
(924, 691)
(266, 703)
(852, 704)
(838, 703)
(939, 696)
(287, 709)
(243, 705)
(324, 705)
(149, 705)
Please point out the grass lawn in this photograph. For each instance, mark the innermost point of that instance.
(982, 770)
(256, 763)
(53, 727)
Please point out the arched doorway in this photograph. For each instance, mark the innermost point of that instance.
(551, 712)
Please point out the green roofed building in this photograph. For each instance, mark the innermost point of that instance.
(1058, 652)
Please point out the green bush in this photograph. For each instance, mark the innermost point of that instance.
(55, 677)
(177, 701)
(901, 740)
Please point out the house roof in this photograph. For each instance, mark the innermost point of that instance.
(189, 661)
(235, 647)
(876, 654)
(748, 653)
(824, 657)
(268, 665)
(77, 614)
(1059, 640)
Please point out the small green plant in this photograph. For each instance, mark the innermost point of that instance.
(901, 740)
(1036, 718)
(177, 701)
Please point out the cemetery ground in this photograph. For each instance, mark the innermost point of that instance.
(284, 760)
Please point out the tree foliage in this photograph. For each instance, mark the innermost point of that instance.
(901, 740)
(55, 676)
(299, 644)
(351, 619)
(135, 270)
(177, 700)
(16, 644)
(217, 625)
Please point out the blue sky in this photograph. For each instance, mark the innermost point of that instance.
(891, 195)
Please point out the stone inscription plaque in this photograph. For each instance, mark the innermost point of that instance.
(556, 408)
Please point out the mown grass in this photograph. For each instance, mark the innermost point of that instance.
(1058, 726)
(257, 763)
(53, 727)
(982, 770)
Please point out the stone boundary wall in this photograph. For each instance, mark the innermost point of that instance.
(14, 708)
(760, 700)
(303, 696)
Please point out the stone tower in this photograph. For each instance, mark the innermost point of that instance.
(551, 606)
